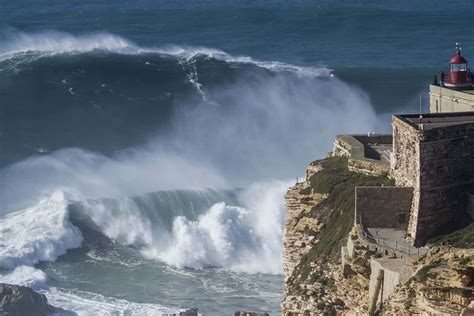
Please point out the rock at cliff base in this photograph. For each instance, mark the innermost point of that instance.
(240, 313)
(189, 312)
(16, 300)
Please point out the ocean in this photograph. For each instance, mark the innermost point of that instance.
(146, 146)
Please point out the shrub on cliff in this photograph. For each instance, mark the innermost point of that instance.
(339, 183)
(463, 238)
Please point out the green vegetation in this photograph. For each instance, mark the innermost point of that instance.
(337, 181)
(423, 274)
(461, 238)
(465, 260)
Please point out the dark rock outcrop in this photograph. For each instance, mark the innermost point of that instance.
(188, 312)
(16, 300)
(240, 313)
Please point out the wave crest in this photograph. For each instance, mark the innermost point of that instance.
(59, 42)
(52, 42)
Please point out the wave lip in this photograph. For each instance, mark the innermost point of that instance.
(51, 43)
(58, 42)
(39, 233)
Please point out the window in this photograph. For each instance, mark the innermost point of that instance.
(402, 218)
(458, 67)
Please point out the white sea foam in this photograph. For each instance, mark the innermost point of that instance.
(79, 302)
(87, 303)
(39, 233)
(121, 221)
(26, 276)
(267, 125)
(243, 238)
(236, 238)
(50, 43)
(59, 42)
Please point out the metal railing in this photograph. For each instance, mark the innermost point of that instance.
(394, 245)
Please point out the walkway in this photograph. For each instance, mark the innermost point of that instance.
(394, 239)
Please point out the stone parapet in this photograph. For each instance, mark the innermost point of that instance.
(362, 157)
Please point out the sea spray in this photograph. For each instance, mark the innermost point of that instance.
(238, 230)
(26, 276)
(39, 233)
(49, 43)
(259, 121)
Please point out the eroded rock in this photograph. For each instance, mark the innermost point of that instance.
(16, 300)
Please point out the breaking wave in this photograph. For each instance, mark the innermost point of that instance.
(39, 233)
(119, 120)
(19, 44)
(194, 229)
(245, 127)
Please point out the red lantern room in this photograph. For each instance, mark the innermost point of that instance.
(459, 74)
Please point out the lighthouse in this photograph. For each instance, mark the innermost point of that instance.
(459, 76)
(454, 91)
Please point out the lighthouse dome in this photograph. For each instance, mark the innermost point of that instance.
(458, 59)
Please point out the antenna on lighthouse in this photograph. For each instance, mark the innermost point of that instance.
(421, 116)
(458, 48)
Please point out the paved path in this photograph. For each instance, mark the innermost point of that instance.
(394, 239)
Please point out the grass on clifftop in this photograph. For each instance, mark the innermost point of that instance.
(463, 238)
(337, 181)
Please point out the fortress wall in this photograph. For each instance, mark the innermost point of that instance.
(438, 164)
(405, 156)
(436, 209)
(446, 156)
(380, 206)
(445, 169)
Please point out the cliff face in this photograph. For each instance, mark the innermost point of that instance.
(320, 220)
(315, 292)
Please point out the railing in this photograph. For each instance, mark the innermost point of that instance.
(447, 77)
(394, 245)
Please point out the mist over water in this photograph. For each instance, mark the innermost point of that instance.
(261, 123)
(230, 122)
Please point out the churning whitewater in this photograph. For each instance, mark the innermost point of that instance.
(190, 196)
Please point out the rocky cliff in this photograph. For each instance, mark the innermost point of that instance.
(320, 220)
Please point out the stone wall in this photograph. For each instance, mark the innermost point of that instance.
(437, 163)
(405, 155)
(446, 156)
(347, 146)
(368, 167)
(361, 156)
(379, 206)
(448, 100)
(395, 271)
